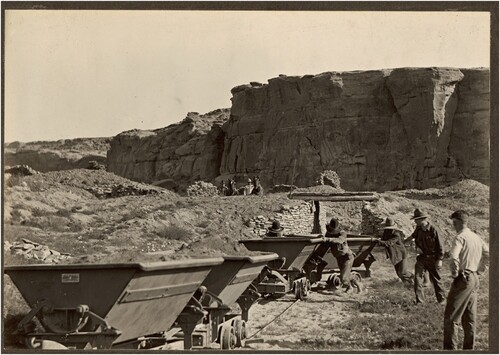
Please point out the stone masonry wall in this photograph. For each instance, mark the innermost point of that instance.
(294, 219)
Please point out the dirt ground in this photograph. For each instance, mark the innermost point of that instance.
(60, 211)
(383, 317)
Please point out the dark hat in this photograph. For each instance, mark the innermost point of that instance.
(276, 227)
(461, 215)
(418, 214)
(333, 225)
(389, 223)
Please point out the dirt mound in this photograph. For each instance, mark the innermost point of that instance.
(100, 183)
(321, 189)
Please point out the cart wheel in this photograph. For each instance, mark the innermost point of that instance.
(31, 343)
(356, 276)
(307, 287)
(240, 330)
(357, 285)
(300, 290)
(334, 281)
(228, 338)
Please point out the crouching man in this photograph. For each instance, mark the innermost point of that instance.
(337, 239)
(392, 240)
(461, 305)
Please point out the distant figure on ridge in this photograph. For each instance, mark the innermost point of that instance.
(247, 190)
(257, 187)
(223, 188)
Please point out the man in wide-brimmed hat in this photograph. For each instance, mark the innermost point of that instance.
(337, 240)
(276, 230)
(430, 260)
(392, 240)
(469, 255)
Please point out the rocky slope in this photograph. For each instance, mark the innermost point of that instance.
(63, 154)
(380, 130)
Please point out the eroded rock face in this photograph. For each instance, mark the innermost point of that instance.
(63, 154)
(185, 152)
(386, 129)
(379, 130)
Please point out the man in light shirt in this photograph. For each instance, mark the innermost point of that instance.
(461, 306)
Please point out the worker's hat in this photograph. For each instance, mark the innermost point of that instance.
(389, 223)
(334, 225)
(276, 227)
(418, 214)
(461, 215)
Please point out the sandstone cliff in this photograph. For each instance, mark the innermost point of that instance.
(172, 156)
(380, 130)
(386, 129)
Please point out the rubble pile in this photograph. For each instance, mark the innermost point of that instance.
(95, 165)
(35, 251)
(283, 188)
(22, 170)
(120, 190)
(201, 188)
(325, 189)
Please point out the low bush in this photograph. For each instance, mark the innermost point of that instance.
(174, 232)
(14, 180)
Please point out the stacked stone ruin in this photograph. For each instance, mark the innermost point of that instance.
(371, 222)
(294, 220)
(202, 188)
(35, 251)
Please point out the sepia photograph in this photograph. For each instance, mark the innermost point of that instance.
(249, 177)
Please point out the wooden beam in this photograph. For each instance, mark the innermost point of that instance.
(307, 196)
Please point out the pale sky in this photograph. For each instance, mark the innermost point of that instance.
(93, 73)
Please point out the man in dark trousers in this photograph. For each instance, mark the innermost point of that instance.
(337, 240)
(427, 239)
(461, 306)
(392, 240)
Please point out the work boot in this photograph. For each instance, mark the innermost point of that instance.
(348, 289)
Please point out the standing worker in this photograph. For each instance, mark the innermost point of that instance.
(337, 239)
(461, 306)
(392, 240)
(427, 239)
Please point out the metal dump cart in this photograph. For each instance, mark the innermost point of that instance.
(105, 305)
(286, 274)
(227, 284)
